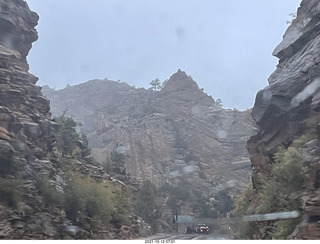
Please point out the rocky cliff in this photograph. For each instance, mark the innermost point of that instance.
(25, 129)
(287, 113)
(31, 167)
(166, 136)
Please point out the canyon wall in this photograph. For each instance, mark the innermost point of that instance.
(166, 136)
(287, 112)
(33, 175)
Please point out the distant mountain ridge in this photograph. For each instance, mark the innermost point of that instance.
(165, 135)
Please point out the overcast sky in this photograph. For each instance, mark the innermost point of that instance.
(225, 45)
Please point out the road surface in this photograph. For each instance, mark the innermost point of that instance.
(178, 236)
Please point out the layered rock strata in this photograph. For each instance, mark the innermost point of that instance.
(283, 108)
(25, 127)
(27, 145)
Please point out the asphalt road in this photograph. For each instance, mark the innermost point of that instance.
(178, 236)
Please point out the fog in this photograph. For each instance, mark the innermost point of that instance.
(226, 46)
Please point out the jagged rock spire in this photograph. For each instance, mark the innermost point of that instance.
(180, 81)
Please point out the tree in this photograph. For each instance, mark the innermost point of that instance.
(115, 163)
(177, 196)
(147, 205)
(156, 85)
(224, 202)
(86, 150)
(67, 137)
(219, 103)
(164, 83)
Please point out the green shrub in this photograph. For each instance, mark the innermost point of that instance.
(242, 203)
(283, 228)
(86, 201)
(50, 195)
(122, 200)
(289, 168)
(304, 138)
(86, 197)
(224, 202)
(310, 131)
(282, 191)
(148, 204)
(247, 229)
(272, 198)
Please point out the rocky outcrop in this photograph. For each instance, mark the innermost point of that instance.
(28, 156)
(168, 135)
(284, 108)
(24, 111)
(25, 130)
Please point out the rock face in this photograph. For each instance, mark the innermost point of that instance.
(27, 145)
(178, 132)
(283, 108)
(25, 127)
(24, 111)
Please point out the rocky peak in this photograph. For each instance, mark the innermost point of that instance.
(181, 94)
(167, 136)
(180, 81)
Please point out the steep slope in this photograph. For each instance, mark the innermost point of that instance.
(25, 130)
(166, 136)
(34, 174)
(287, 113)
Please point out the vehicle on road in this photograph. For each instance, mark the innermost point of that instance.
(202, 229)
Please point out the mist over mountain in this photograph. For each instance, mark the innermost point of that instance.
(165, 135)
(106, 160)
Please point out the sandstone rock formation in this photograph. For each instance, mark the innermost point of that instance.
(284, 108)
(178, 132)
